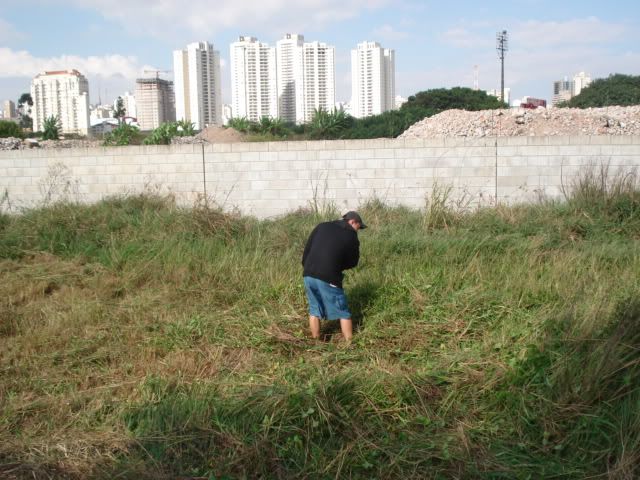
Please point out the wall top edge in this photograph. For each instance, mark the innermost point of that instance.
(376, 143)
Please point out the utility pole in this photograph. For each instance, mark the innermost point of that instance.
(502, 45)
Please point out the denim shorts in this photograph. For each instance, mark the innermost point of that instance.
(325, 300)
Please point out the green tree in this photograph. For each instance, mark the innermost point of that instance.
(50, 128)
(423, 104)
(124, 134)
(241, 124)
(10, 129)
(617, 89)
(25, 102)
(165, 132)
(185, 128)
(25, 99)
(120, 111)
(329, 125)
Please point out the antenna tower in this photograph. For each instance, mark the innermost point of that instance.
(502, 46)
(476, 84)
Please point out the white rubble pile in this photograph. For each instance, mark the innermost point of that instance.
(525, 122)
(12, 143)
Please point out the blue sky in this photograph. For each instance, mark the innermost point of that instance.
(437, 43)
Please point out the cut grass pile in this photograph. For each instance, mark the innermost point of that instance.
(141, 340)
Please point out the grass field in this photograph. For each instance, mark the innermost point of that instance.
(142, 340)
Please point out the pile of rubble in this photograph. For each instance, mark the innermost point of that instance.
(12, 143)
(526, 122)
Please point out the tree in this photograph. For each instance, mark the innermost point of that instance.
(120, 111)
(25, 102)
(423, 104)
(329, 125)
(617, 89)
(50, 128)
(10, 129)
(25, 98)
(123, 134)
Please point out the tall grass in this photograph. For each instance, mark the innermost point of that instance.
(141, 339)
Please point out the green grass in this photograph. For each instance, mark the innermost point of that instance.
(142, 340)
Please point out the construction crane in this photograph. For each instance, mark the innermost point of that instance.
(157, 72)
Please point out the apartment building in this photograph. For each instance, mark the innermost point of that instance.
(564, 90)
(8, 110)
(197, 84)
(63, 94)
(155, 102)
(254, 89)
(306, 78)
(372, 79)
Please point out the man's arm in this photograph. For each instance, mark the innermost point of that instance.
(352, 256)
(307, 247)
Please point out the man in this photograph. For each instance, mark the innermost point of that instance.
(331, 248)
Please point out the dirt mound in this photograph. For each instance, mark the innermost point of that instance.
(221, 135)
(524, 122)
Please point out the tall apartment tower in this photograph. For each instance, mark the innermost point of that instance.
(372, 79)
(8, 110)
(197, 85)
(290, 73)
(63, 94)
(564, 90)
(306, 78)
(319, 78)
(580, 81)
(155, 102)
(254, 89)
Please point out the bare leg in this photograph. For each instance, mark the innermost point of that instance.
(314, 325)
(347, 329)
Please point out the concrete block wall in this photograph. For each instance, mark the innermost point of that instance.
(269, 179)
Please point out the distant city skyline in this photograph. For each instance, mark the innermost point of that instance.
(113, 43)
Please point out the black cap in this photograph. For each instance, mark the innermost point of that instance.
(354, 216)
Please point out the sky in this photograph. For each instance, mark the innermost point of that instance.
(437, 44)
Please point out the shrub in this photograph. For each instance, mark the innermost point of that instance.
(50, 128)
(165, 132)
(10, 129)
(124, 134)
(329, 125)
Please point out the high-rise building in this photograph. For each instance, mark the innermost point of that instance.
(290, 73)
(496, 92)
(372, 79)
(319, 78)
(63, 94)
(155, 102)
(197, 85)
(254, 91)
(306, 78)
(564, 90)
(8, 110)
(580, 81)
(129, 103)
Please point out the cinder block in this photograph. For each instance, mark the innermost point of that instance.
(366, 153)
(297, 146)
(316, 145)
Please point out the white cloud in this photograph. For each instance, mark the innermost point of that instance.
(22, 64)
(204, 17)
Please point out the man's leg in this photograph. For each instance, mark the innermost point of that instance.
(314, 325)
(347, 329)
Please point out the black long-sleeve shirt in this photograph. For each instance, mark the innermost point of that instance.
(331, 248)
